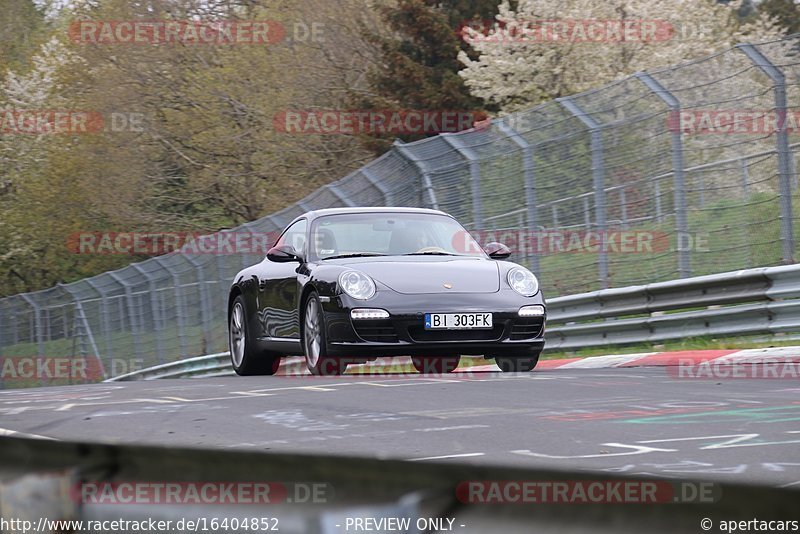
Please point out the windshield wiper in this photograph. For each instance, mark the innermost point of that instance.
(353, 255)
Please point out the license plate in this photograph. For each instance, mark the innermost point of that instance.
(457, 321)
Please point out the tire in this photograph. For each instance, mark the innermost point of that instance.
(315, 346)
(521, 364)
(429, 364)
(245, 358)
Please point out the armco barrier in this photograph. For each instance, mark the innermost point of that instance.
(752, 301)
(38, 481)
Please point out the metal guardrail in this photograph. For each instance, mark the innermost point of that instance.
(39, 479)
(755, 301)
(199, 367)
(752, 301)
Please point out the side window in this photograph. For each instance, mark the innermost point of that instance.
(295, 235)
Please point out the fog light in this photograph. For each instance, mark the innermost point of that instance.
(531, 311)
(368, 313)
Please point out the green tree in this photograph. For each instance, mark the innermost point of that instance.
(786, 12)
(21, 32)
(418, 67)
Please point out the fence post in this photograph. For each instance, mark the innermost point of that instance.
(137, 346)
(782, 145)
(205, 301)
(468, 154)
(179, 307)
(37, 326)
(338, 193)
(529, 173)
(427, 185)
(105, 321)
(598, 177)
(682, 221)
(378, 184)
(154, 309)
(80, 318)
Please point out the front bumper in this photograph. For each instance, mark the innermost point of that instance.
(403, 333)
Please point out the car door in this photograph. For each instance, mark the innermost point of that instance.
(277, 295)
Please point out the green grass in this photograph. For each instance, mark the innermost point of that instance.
(740, 234)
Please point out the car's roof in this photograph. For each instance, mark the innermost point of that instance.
(340, 211)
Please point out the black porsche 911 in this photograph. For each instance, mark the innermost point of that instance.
(347, 285)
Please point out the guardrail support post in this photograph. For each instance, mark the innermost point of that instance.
(782, 145)
(378, 184)
(529, 170)
(205, 302)
(134, 322)
(475, 176)
(682, 221)
(154, 309)
(179, 308)
(37, 325)
(80, 316)
(105, 315)
(427, 185)
(598, 177)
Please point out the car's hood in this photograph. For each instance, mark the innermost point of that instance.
(417, 275)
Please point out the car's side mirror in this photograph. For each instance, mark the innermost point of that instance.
(497, 251)
(283, 254)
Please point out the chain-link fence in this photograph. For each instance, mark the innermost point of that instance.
(684, 171)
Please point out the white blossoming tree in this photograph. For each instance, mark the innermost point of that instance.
(551, 48)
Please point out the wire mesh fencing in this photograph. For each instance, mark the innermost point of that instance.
(680, 172)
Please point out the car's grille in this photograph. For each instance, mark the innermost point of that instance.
(419, 334)
(526, 328)
(378, 331)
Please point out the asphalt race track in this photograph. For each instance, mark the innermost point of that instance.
(625, 420)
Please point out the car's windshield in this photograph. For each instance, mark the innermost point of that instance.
(390, 234)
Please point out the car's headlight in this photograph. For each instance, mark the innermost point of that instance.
(523, 281)
(357, 284)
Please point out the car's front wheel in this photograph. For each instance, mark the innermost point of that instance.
(521, 364)
(245, 358)
(425, 364)
(314, 342)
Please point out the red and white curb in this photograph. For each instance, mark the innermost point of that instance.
(688, 358)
